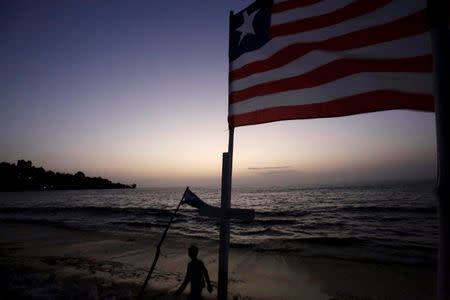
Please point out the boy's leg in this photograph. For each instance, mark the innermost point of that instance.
(195, 295)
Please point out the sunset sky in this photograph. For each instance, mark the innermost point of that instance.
(136, 91)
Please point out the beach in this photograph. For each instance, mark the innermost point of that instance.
(122, 121)
(47, 262)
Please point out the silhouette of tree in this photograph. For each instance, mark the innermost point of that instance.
(79, 174)
(23, 176)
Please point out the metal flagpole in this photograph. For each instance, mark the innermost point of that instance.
(158, 247)
(224, 246)
(225, 205)
(438, 19)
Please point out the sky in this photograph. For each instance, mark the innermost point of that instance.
(136, 91)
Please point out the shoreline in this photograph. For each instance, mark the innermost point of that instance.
(73, 263)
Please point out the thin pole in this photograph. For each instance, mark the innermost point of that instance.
(158, 248)
(438, 19)
(225, 205)
(224, 243)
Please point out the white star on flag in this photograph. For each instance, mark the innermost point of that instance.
(247, 26)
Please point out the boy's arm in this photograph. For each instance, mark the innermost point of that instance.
(205, 272)
(186, 280)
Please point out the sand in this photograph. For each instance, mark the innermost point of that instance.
(44, 262)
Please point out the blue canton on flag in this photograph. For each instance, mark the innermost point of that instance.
(250, 28)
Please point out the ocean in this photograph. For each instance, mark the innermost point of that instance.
(380, 223)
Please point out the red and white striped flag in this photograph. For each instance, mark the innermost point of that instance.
(299, 59)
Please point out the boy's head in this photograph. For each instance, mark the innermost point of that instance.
(193, 252)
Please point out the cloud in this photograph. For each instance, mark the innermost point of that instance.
(268, 168)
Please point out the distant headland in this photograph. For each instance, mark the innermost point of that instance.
(23, 176)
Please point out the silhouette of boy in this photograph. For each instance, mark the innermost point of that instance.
(196, 274)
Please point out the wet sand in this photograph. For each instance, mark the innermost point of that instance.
(48, 262)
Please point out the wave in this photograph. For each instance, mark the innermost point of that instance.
(262, 217)
(330, 241)
(298, 243)
(59, 224)
(264, 231)
(284, 213)
(96, 210)
(397, 209)
(139, 224)
(274, 222)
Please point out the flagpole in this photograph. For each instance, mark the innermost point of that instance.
(158, 247)
(225, 206)
(438, 19)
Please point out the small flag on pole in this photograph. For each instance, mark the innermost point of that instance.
(300, 59)
(193, 200)
(207, 210)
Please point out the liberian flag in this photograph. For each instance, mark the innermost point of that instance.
(193, 200)
(300, 59)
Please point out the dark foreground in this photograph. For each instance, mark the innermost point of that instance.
(43, 262)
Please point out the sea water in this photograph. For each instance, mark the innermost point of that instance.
(383, 223)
